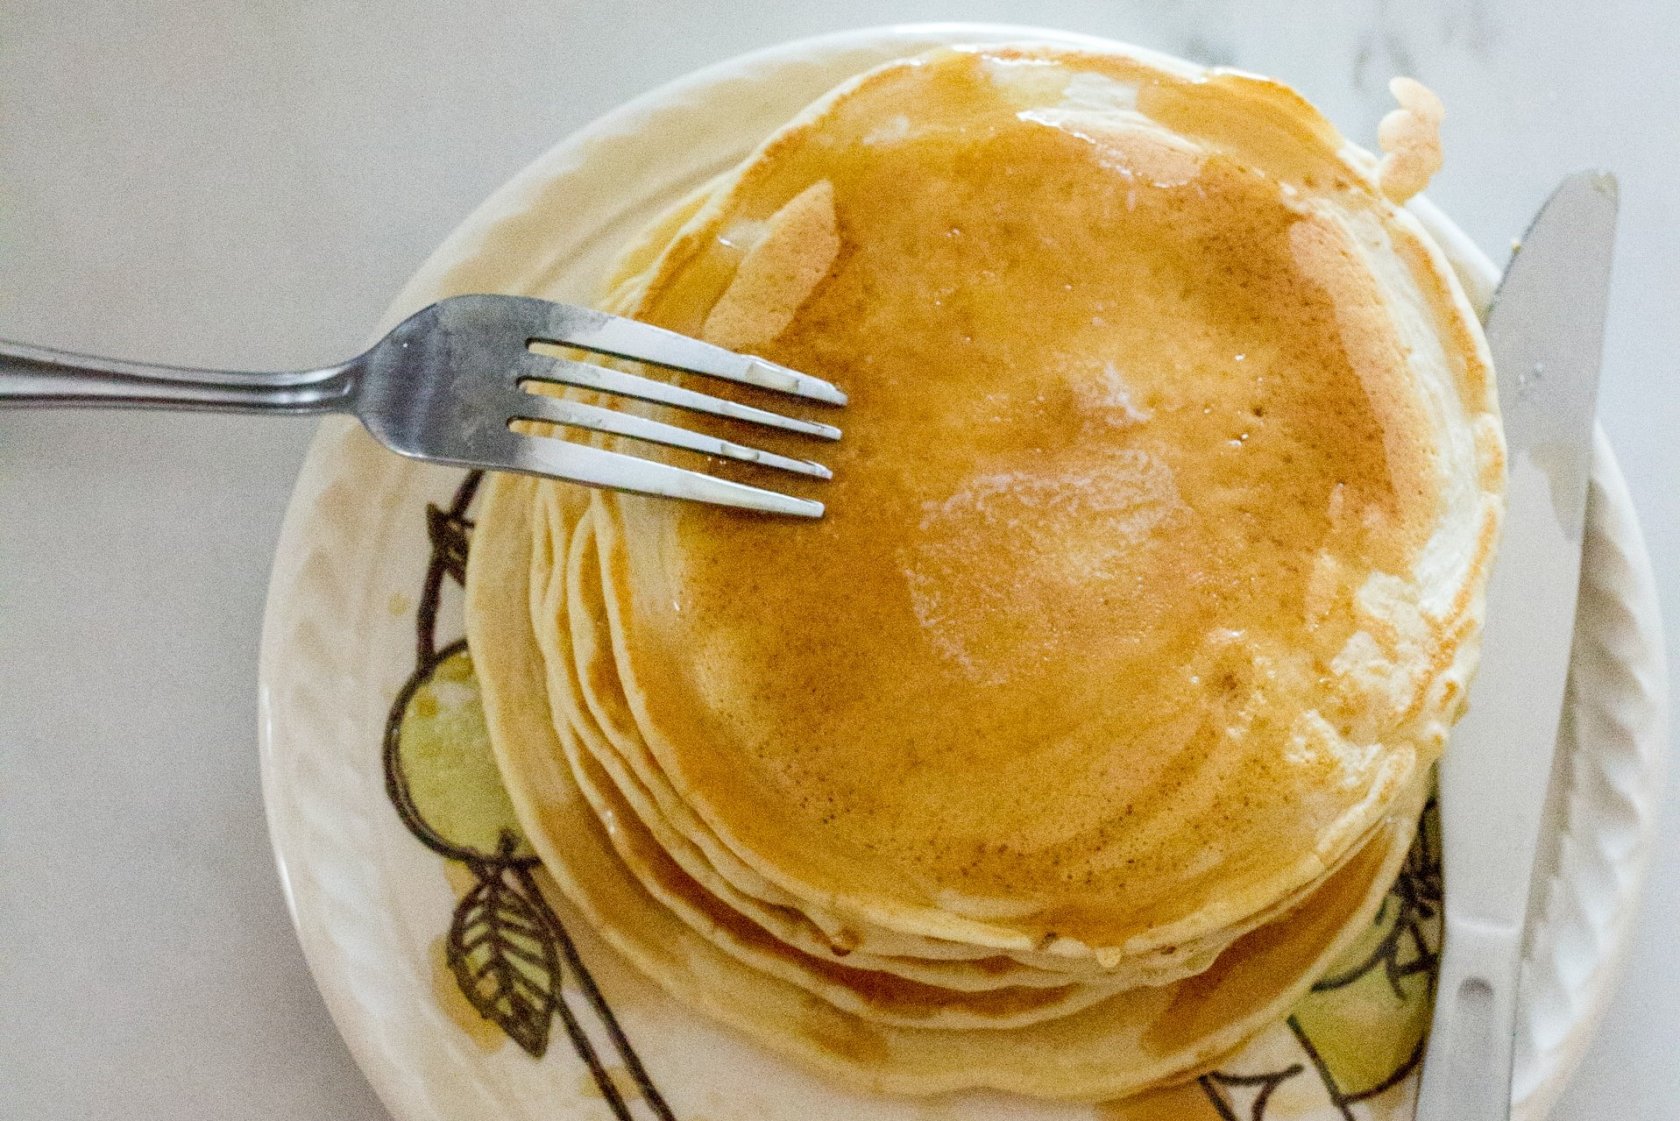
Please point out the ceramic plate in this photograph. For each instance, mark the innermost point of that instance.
(467, 989)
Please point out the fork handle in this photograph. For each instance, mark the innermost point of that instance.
(33, 376)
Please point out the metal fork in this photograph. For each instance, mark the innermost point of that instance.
(447, 384)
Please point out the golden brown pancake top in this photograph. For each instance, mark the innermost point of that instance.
(1131, 425)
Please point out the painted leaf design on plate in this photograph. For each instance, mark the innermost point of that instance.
(1244, 1097)
(450, 534)
(1365, 1023)
(504, 957)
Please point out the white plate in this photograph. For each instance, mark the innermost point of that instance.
(362, 622)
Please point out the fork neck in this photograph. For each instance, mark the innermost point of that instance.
(40, 377)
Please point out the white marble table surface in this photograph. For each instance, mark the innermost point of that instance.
(247, 183)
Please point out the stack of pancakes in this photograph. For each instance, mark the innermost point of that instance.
(1095, 717)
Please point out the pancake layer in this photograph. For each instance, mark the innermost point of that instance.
(1130, 1041)
(1095, 716)
(1163, 510)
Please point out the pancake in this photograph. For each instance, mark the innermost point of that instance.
(589, 708)
(588, 704)
(1095, 717)
(673, 870)
(1128, 1042)
(1153, 564)
(631, 808)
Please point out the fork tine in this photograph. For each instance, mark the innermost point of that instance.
(586, 375)
(575, 414)
(588, 329)
(580, 463)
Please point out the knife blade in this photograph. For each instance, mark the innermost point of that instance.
(1546, 332)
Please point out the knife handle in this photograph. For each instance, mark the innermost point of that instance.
(1468, 1074)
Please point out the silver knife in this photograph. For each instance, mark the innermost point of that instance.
(1546, 332)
